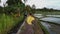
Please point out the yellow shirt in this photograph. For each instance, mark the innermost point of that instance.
(30, 19)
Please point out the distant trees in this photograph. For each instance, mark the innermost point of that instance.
(47, 9)
(27, 8)
(33, 8)
(30, 9)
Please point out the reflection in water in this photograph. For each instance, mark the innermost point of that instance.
(52, 28)
(38, 15)
(51, 19)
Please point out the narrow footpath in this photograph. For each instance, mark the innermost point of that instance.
(30, 26)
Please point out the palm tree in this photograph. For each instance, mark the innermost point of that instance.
(33, 6)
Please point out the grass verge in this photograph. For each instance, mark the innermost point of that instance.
(7, 22)
(43, 28)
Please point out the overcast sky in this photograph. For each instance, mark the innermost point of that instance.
(41, 3)
(2, 1)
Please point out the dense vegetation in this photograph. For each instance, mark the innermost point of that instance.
(11, 15)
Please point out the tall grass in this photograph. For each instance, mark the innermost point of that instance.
(7, 22)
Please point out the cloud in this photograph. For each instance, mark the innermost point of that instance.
(2, 2)
(45, 3)
(53, 4)
(38, 3)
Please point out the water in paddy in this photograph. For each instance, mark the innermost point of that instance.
(51, 19)
(52, 28)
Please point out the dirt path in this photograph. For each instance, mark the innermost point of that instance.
(30, 29)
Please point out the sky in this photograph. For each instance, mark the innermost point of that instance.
(41, 3)
(2, 2)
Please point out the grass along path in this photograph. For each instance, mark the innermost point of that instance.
(7, 22)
